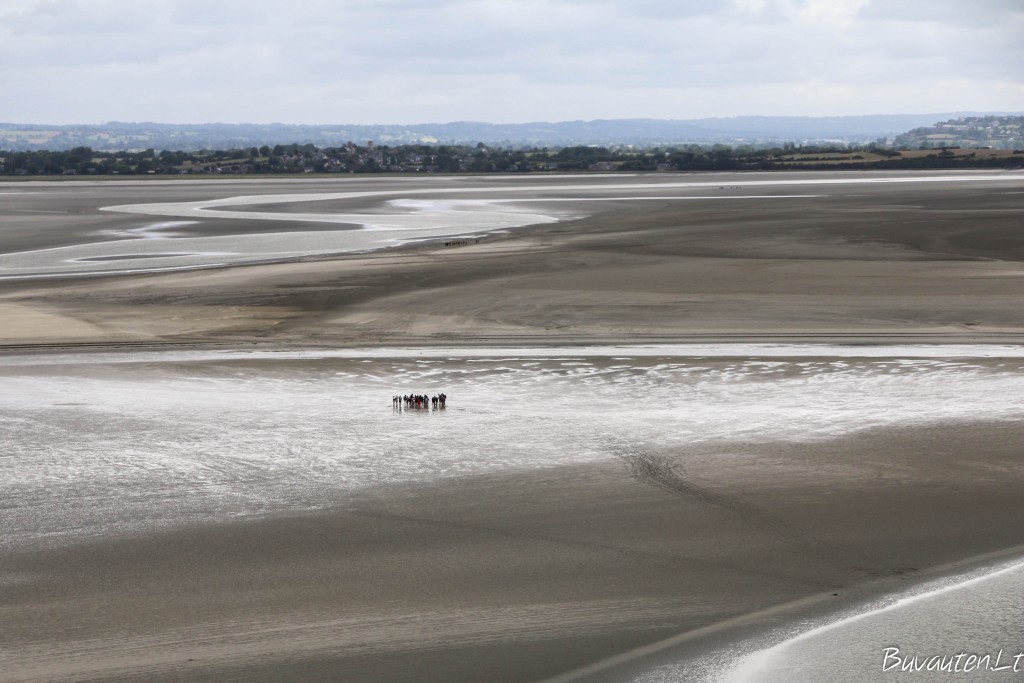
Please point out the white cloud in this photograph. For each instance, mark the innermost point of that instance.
(502, 60)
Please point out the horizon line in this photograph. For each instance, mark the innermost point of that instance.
(526, 123)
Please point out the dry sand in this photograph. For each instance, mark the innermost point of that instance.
(529, 575)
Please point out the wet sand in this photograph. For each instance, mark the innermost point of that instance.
(527, 575)
(516, 576)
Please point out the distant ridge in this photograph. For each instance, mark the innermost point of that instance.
(116, 136)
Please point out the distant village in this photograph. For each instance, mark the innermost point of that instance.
(982, 142)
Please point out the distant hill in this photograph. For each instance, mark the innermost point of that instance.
(117, 136)
(997, 132)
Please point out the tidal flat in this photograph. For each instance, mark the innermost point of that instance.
(676, 404)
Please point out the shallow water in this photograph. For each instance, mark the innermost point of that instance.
(951, 628)
(971, 628)
(129, 442)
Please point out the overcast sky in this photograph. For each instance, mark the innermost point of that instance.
(419, 61)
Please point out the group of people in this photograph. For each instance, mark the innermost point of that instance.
(419, 401)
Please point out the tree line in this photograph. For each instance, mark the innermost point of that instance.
(371, 158)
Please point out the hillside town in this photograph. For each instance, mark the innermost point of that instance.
(996, 132)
